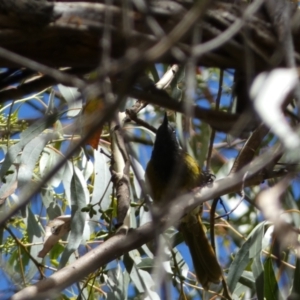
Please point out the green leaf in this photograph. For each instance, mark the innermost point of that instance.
(33, 227)
(247, 279)
(74, 99)
(29, 157)
(145, 264)
(102, 178)
(49, 159)
(295, 293)
(257, 266)
(243, 256)
(10, 186)
(270, 282)
(86, 166)
(136, 184)
(133, 271)
(66, 179)
(34, 250)
(118, 283)
(55, 252)
(141, 279)
(180, 261)
(240, 291)
(26, 136)
(79, 200)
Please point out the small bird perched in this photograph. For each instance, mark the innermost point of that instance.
(171, 172)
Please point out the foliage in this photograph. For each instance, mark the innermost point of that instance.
(73, 161)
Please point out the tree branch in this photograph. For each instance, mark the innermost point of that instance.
(120, 244)
(80, 25)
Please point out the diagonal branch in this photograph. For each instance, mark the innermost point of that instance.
(120, 244)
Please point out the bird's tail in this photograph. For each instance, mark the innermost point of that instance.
(204, 259)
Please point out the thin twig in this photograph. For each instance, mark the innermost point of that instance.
(59, 76)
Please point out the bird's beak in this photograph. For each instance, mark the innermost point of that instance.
(165, 122)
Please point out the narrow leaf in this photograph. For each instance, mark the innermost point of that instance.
(26, 136)
(101, 179)
(295, 294)
(78, 200)
(49, 159)
(33, 227)
(118, 282)
(74, 99)
(243, 257)
(270, 283)
(66, 179)
(257, 266)
(10, 185)
(29, 157)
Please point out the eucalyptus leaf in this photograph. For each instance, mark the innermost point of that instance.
(26, 136)
(146, 263)
(66, 179)
(181, 263)
(243, 256)
(270, 282)
(118, 283)
(74, 99)
(141, 279)
(79, 200)
(295, 293)
(257, 265)
(49, 159)
(102, 189)
(240, 289)
(34, 250)
(10, 184)
(53, 210)
(33, 227)
(140, 170)
(29, 157)
(247, 279)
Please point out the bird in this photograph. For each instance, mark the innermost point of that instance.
(171, 172)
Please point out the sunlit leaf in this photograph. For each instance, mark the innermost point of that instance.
(87, 167)
(66, 179)
(102, 178)
(49, 159)
(26, 136)
(141, 279)
(29, 157)
(10, 185)
(79, 199)
(73, 97)
(257, 265)
(118, 282)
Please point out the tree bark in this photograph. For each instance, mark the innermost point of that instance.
(69, 33)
